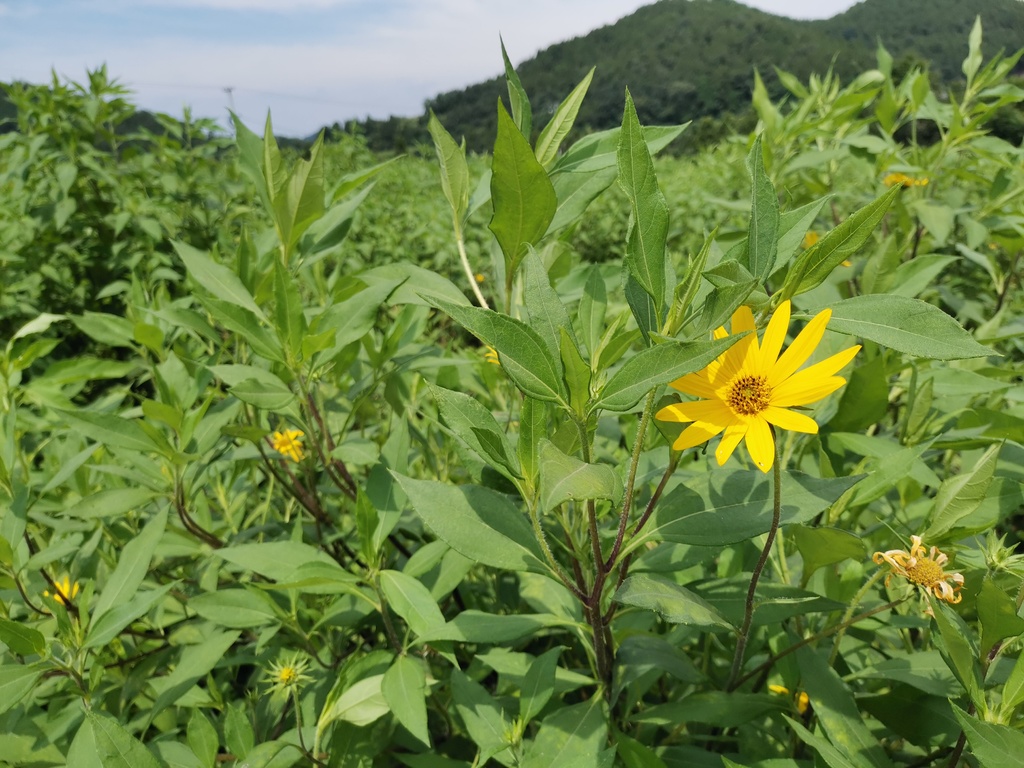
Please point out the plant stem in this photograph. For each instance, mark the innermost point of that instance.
(469, 271)
(748, 615)
(538, 531)
(634, 461)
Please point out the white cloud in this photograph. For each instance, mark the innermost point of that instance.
(275, 6)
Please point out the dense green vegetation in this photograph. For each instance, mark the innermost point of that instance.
(576, 454)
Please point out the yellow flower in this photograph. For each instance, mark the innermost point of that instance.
(491, 356)
(66, 590)
(923, 569)
(479, 277)
(288, 443)
(810, 239)
(751, 387)
(802, 700)
(892, 179)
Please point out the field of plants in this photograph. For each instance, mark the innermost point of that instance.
(568, 455)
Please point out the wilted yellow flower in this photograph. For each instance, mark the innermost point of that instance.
(479, 277)
(491, 356)
(751, 387)
(810, 239)
(288, 443)
(892, 179)
(923, 569)
(801, 700)
(66, 590)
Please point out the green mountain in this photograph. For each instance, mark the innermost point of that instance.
(687, 59)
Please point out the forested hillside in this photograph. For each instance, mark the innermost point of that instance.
(686, 59)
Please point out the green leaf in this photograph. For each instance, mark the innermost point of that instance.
(454, 170)
(471, 626)
(837, 711)
(109, 429)
(132, 567)
(521, 112)
(592, 309)
(524, 200)
(477, 427)
(763, 231)
(972, 63)
(692, 513)
(120, 616)
(532, 427)
(202, 738)
(484, 720)
(276, 560)
(195, 663)
(826, 546)
(16, 682)
(572, 737)
(20, 639)
(793, 226)
(959, 496)
(412, 601)
(351, 319)
(835, 758)
(110, 503)
(561, 122)
(994, 745)
(524, 355)
(404, 689)
(117, 748)
(545, 311)
(1013, 689)
(113, 330)
(288, 311)
(959, 650)
(816, 263)
(645, 246)
(906, 325)
(577, 375)
(538, 684)
(234, 607)
(361, 703)
(477, 522)
(216, 278)
(998, 614)
(658, 365)
(674, 603)
(566, 478)
(725, 710)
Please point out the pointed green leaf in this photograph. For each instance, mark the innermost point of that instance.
(524, 200)
(132, 567)
(645, 247)
(763, 231)
(538, 684)
(521, 112)
(561, 122)
(216, 278)
(566, 478)
(115, 746)
(404, 688)
(674, 603)
(454, 170)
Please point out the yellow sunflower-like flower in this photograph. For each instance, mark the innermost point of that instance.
(491, 356)
(810, 239)
(479, 277)
(923, 569)
(288, 443)
(802, 701)
(751, 387)
(66, 590)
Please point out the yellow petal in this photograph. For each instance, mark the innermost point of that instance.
(801, 390)
(710, 411)
(730, 440)
(801, 348)
(791, 420)
(671, 413)
(695, 434)
(760, 444)
(733, 361)
(775, 336)
(743, 320)
(695, 384)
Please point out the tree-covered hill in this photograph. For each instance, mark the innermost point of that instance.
(685, 59)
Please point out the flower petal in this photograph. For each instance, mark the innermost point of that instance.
(802, 347)
(710, 411)
(695, 434)
(760, 444)
(671, 413)
(813, 383)
(743, 320)
(775, 336)
(733, 360)
(730, 440)
(791, 420)
(696, 384)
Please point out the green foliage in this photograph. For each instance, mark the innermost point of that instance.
(301, 500)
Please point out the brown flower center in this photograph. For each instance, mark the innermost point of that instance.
(925, 572)
(749, 395)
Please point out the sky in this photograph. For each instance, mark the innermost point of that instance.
(311, 62)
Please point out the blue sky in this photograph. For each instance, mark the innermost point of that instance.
(311, 62)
